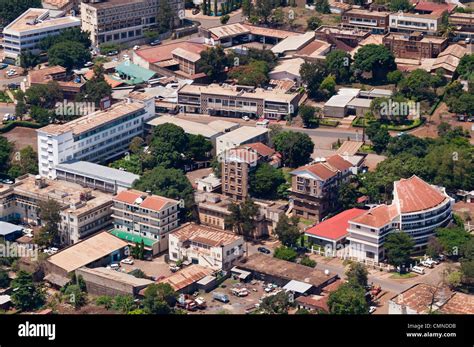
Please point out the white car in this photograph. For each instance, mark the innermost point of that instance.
(245, 118)
(372, 309)
(136, 47)
(88, 64)
(127, 261)
(126, 57)
(6, 117)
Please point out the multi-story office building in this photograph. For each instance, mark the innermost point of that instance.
(205, 246)
(116, 21)
(25, 33)
(146, 215)
(415, 45)
(463, 24)
(96, 137)
(83, 211)
(373, 21)
(410, 22)
(417, 209)
(314, 187)
(237, 101)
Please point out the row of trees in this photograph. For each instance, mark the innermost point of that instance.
(17, 163)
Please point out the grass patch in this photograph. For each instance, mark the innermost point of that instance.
(398, 276)
(328, 123)
(307, 222)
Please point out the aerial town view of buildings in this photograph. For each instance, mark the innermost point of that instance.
(236, 157)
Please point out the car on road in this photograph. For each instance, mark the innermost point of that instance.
(3, 66)
(245, 118)
(264, 250)
(89, 64)
(155, 43)
(112, 53)
(372, 309)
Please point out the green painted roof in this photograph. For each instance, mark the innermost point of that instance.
(129, 237)
(137, 74)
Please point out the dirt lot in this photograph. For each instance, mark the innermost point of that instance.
(155, 268)
(22, 137)
(430, 129)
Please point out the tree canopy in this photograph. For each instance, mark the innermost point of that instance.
(377, 60)
(68, 54)
(295, 148)
(398, 247)
(348, 299)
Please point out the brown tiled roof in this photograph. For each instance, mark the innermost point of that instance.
(151, 202)
(128, 196)
(165, 52)
(322, 170)
(421, 297)
(261, 149)
(415, 195)
(186, 276)
(44, 75)
(459, 303)
(204, 234)
(377, 216)
(339, 162)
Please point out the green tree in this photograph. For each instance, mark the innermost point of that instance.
(328, 86)
(105, 300)
(253, 74)
(265, 180)
(418, 85)
(224, 19)
(25, 162)
(199, 148)
(400, 5)
(124, 303)
(434, 247)
(398, 247)
(27, 296)
(75, 296)
(242, 218)
(295, 147)
(312, 74)
(357, 274)
(50, 218)
(347, 195)
(213, 62)
(159, 298)
(28, 60)
(96, 88)
(339, 65)
(377, 60)
(452, 239)
(313, 23)
(394, 76)
(466, 66)
(44, 95)
(4, 279)
(5, 151)
(276, 304)
(170, 183)
(308, 116)
(166, 17)
(68, 54)
(285, 253)
(348, 299)
(247, 8)
(70, 34)
(379, 136)
(287, 230)
(322, 6)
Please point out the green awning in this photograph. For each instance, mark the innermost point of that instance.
(123, 235)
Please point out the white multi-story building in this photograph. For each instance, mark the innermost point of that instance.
(96, 137)
(417, 209)
(146, 215)
(25, 33)
(83, 211)
(116, 21)
(205, 246)
(411, 22)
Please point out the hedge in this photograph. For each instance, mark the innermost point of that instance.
(329, 123)
(416, 123)
(14, 124)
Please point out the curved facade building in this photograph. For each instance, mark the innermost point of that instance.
(417, 209)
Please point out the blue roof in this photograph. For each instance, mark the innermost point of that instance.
(8, 228)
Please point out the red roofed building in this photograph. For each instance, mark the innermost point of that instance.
(314, 187)
(333, 231)
(145, 215)
(417, 209)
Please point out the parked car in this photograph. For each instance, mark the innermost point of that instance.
(220, 297)
(6, 117)
(155, 42)
(263, 123)
(372, 309)
(418, 270)
(136, 47)
(112, 53)
(128, 261)
(3, 66)
(174, 268)
(240, 292)
(264, 250)
(89, 64)
(426, 263)
(245, 118)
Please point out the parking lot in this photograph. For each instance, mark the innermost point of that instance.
(236, 305)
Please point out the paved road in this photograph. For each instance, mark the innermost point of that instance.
(7, 109)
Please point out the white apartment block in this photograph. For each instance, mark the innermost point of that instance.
(96, 137)
(146, 215)
(117, 21)
(25, 33)
(417, 209)
(410, 22)
(205, 246)
(83, 211)
(240, 136)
